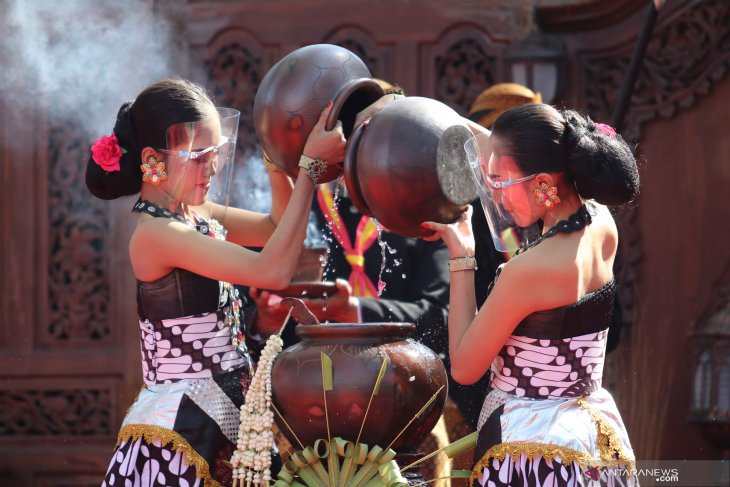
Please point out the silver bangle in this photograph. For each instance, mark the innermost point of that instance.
(466, 263)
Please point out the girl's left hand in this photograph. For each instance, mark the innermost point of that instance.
(458, 236)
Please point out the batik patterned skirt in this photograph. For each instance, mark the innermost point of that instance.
(183, 427)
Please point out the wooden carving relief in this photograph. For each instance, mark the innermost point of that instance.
(57, 412)
(463, 72)
(464, 63)
(235, 65)
(375, 57)
(78, 285)
(687, 53)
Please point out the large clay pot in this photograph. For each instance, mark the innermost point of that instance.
(408, 165)
(414, 374)
(294, 92)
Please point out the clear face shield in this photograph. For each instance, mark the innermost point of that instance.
(200, 161)
(504, 197)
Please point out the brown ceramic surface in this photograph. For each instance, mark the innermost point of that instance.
(408, 165)
(294, 92)
(414, 373)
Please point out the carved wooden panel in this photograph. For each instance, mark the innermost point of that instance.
(78, 282)
(462, 63)
(689, 50)
(235, 64)
(48, 407)
(55, 412)
(377, 57)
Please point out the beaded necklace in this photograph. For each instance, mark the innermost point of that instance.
(227, 291)
(574, 223)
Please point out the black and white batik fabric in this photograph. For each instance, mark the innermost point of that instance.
(548, 422)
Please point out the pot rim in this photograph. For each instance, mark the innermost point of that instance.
(373, 331)
(353, 188)
(344, 93)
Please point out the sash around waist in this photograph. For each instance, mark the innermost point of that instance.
(550, 369)
(190, 347)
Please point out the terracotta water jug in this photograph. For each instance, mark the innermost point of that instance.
(414, 374)
(408, 165)
(294, 92)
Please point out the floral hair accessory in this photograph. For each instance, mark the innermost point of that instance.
(107, 152)
(606, 129)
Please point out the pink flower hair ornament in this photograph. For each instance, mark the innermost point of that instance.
(606, 129)
(106, 152)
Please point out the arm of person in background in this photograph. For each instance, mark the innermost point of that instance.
(424, 299)
(423, 302)
(427, 302)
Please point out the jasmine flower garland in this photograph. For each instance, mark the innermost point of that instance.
(252, 459)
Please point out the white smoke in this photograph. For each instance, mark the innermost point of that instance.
(81, 59)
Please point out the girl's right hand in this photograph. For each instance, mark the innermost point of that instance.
(458, 236)
(326, 145)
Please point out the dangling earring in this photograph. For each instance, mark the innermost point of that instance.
(153, 171)
(546, 195)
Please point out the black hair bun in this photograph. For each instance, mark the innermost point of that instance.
(126, 181)
(601, 164)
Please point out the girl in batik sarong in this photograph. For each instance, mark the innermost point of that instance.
(187, 250)
(542, 330)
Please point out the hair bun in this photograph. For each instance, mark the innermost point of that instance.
(602, 165)
(126, 181)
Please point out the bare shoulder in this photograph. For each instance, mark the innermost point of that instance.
(546, 274)
(150, 242)
(602, 218)
(535, 282)
(604, 231)
(152, 230)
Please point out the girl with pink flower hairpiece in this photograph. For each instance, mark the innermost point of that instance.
(187, 251)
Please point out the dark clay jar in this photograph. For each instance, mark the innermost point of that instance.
(408, 165)
(414, 374)
(294, 92)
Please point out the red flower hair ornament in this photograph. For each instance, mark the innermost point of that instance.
(606, 129)
(106, 152)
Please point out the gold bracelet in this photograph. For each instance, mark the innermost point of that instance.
(466, 263)
(314, 168)
(270, 166)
